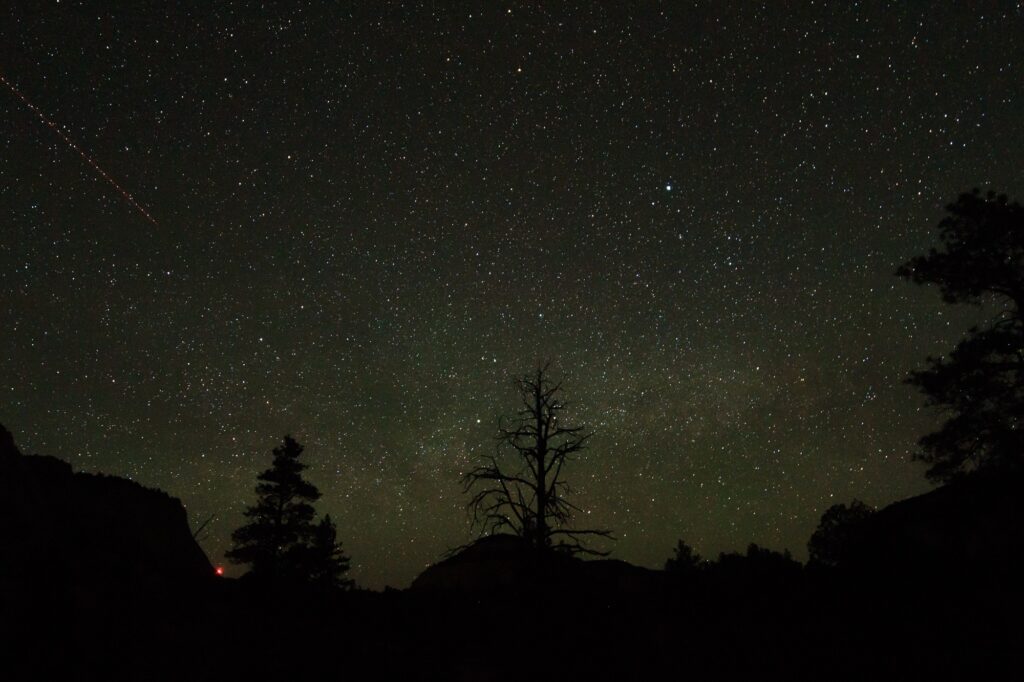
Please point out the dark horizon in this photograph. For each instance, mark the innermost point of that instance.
(366, 221)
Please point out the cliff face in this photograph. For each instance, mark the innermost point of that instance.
(86, 536)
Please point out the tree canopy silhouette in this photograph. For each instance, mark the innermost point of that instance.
(685, 559)
(830, 544)
(280, 540)
(326, 562)
(757, 568)
(981, 383)
(520, 488)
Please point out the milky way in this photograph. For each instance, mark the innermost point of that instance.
(370, 218)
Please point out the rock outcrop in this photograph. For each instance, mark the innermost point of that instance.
(86, 536)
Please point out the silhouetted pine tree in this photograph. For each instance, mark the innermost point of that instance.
(274, 541)
(327, 563)
(980, 384)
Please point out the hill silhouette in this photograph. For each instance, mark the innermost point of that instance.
(508, 564)
(970, 525)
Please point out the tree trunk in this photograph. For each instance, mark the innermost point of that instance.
(542, 447)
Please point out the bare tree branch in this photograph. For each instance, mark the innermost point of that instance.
(197, 535)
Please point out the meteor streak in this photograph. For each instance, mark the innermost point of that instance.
(81, 152)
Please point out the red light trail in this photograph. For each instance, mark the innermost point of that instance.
(81, 152)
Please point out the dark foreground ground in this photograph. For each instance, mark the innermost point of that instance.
(821, 627)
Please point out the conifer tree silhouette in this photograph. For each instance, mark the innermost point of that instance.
(327, 563)
(274, 541)
(980, 383)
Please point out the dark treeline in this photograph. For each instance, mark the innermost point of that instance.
(101, 578)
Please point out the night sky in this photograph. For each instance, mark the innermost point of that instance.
(367, 218)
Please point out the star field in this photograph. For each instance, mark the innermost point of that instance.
(370, 216)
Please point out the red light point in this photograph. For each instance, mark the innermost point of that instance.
(219, 570)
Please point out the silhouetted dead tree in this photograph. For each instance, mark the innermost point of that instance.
(520, 487)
